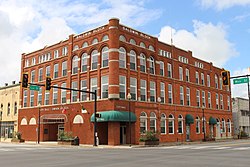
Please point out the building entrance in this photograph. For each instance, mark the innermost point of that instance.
(123, 135)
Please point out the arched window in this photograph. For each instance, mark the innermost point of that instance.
(142, 62)
(76, 47)
(95, 41)
(142, 45)
(85, 44)
(180, 124)
(163, 124)
(198, 125)
(161, 68)
(216, 81)
(122, 57)
(84, 62)
(132, 41)
(24, 122)
(105, 38)
(171, 124)
(94, 59)
(143, 122)
(229, 126)
(151, 48)
(223, 125)
(151, 65)
(74, 65)
(132, 60)
(122, 38)
(105, 57)
(32, 121)
(152, 119)
(78, 119)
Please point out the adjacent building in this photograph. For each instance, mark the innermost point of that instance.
(241, 115)
(170, 91)
(9, 104)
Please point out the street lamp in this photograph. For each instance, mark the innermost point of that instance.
(129, 118)
(0, 125)
(203, 123)
(38, 130)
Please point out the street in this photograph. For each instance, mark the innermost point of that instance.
(233, 153)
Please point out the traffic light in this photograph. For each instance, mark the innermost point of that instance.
(48, 83)
(225, 78)
(25, 80)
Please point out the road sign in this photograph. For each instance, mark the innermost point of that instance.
(241, 80)
(34, 87)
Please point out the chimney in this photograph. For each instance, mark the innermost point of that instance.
(13, 82)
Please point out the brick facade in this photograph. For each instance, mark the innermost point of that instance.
(156, 53)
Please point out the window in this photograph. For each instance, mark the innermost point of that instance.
(104, 86)
(56, 54)
(133, 88)
(169, 70)
(15, 108)
(163, 124)
(151, 65)
(64, 68)
(181, 95)
(198, 98)
(94, 59)
(63, 93)
(223, 125)
(122, 83)
(105, 38)
(170, 94)
(27, 63)
(122, 57)
(47, 71)
(83, 87)
(180, 73)
(33, 61)
(142, 62)
(202, 79)
(31, 98)
(132, 41)
(228, 102)
(180, 124)
(40, 74)
(93, 87)
(94, 41)
(76, 47)
(85, 44)
(75, 65)
(188, 96)
(216, 81)
(122, 38)
(197, 77)
(56, 71)
(151, 48)
(209, 100)
(152, 122)
(187, 75)
(105, 57)
(46, 98)
(143, 90)
(32, 76)
(217, 101)
(152, 91)
(229, 126)
(162, 85)
(143, 122)
(39, 96)
(64, 51)
(25, 96)
(74, 93)
(55, 95)
(208, 80)
(220, 83)
(203, 98)
(221, 102)
(197, 125)
(171, 124)
(132, 60)
(142, 45)
(161, 68)
(8, 112)
(84, 62)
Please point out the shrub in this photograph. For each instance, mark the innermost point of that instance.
(243, 134)
(149, 136)
(65, 136)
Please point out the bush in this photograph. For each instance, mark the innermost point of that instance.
(65, 136)
(149, 136)
(243, 134)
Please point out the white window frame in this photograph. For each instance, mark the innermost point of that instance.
(152, 91)
(143, 86)
(104, 86)
(133, 88)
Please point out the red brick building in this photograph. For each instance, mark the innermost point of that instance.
(171, 91)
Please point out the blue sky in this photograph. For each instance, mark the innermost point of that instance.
(214, 30)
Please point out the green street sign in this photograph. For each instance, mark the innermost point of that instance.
(241, 80)
(34, 87)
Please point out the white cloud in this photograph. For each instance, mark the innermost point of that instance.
(223, 4)
(240, 90)
(27, 25)
(207, 42)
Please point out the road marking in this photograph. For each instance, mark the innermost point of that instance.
(241, 148)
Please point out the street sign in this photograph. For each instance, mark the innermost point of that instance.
(241, 80)
(34, 87)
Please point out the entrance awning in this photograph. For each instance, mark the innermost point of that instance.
(212, 121)
(114, 116)
(53, 118)
(189, 119)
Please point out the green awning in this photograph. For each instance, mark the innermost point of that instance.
(212, 121)
(114, 116)
(189, 119)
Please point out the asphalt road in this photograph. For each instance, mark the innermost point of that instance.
(222, 154)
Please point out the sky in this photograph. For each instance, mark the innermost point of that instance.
(216, 31)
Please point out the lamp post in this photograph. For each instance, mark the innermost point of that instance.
(38, 130)
(203, 123)
(0, 125)
(129, 117)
